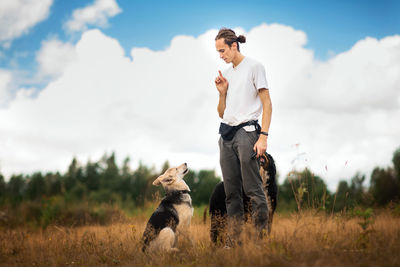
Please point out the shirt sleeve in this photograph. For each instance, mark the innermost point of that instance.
(259, 77)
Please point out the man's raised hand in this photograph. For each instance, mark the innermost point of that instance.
(221, 83)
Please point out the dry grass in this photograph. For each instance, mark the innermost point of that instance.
(301, 240)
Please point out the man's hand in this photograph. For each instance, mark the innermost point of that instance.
(221, 83)
(261, 145)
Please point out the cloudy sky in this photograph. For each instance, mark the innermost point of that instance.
(84, 78)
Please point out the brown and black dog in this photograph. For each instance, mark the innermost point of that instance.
(173, 215)
(217, 205)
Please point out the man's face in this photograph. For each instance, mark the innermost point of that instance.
(225, 52)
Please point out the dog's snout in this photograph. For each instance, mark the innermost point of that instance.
(185, 164)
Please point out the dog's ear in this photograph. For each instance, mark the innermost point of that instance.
(264, 161)
(157, 181)
(164, 179)
(168, 180)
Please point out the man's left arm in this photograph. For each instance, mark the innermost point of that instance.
(261, 145)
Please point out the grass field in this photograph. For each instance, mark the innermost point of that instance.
(306, 239)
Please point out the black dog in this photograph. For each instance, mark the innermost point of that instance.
(217, 200)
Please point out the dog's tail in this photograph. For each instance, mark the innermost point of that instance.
(148, 235)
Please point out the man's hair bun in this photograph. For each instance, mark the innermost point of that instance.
(241, 39)
(230, 37)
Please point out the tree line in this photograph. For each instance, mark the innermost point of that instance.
(106, 182)
(303, 189)
(100, 182)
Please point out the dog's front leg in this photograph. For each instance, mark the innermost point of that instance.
(185, 234)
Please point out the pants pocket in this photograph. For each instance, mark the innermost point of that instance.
(252, 136)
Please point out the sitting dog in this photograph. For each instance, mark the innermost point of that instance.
(173, 214)
(217, 200)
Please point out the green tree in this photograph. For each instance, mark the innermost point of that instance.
(92, 176)
(191, 180)
(349, 196)
(2, 189)
(357, 192)
(204, 183)
(126, 169)
(340, 201)
(78, 192)
(304, 190)
(53, 184)
(141, 187)
(15, 189)
(73, 175)
(287, 200)
(110, 177)
(384, 186)
(396, 163)
(36, 187)
(125, 179)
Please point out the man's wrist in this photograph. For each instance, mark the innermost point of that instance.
(263, 133)
(262, 137)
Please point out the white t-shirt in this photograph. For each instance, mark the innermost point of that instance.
(242, 101)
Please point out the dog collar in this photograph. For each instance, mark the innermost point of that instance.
(183, 191)
(178, 192)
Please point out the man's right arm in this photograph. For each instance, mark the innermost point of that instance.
(222, 86)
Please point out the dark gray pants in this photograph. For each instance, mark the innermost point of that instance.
(241, 173)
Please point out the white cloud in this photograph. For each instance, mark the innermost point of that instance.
(102, 102)
(161, 105)
(18, 16)
(5, 79)
(53, 57)
(96, 14)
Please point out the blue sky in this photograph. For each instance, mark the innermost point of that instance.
(69, 86)
(331, 26)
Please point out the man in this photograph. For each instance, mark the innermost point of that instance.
(243, 96)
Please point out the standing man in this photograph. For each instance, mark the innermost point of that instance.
(243, 97)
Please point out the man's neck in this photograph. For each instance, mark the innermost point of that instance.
(237, 59)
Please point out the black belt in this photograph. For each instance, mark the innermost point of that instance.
(228, 132)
